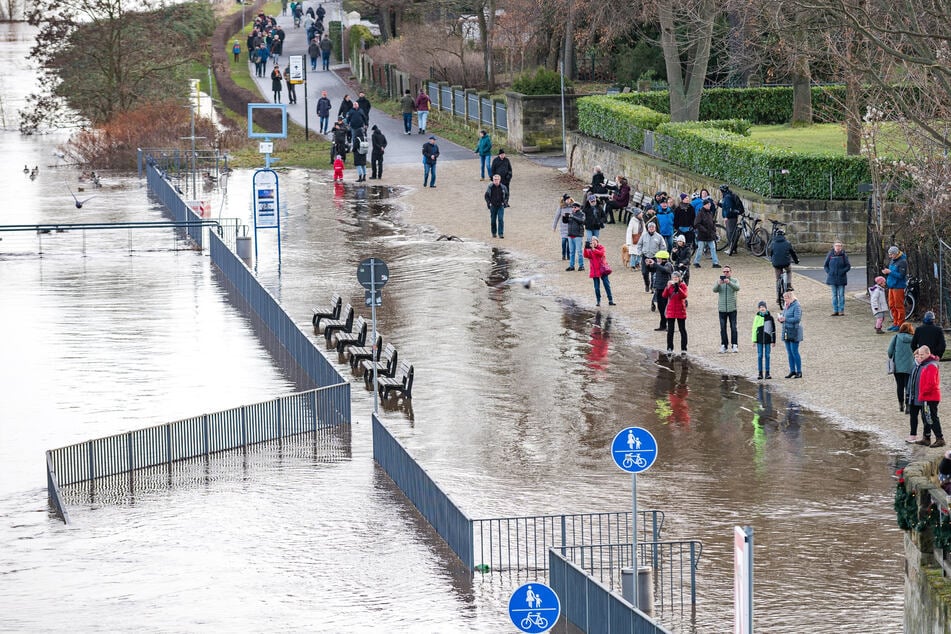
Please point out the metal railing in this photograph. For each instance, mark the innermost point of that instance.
(432, 502)
(590, 606)
(55, 494)
(522, 543)
(199, 436)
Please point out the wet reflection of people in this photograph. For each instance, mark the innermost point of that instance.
(596, 359)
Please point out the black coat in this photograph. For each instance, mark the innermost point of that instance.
(364, 106)
(503, 168)
(931, 336)
(783, 252)
(378, 141)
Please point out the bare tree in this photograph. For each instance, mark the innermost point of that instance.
(686, 34)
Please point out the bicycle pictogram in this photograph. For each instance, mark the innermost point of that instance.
(634, 460)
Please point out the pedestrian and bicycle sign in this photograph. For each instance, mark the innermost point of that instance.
(534, 608)
(634, 449)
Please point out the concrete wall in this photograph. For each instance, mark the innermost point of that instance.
(814, 224)
(534, 121)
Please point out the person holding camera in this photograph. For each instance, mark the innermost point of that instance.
(727, 288)
(599, 269)
(662, 270)
(676, 311)
(650, 243)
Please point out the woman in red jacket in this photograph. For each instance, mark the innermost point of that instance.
(676, 294)
(599, 269)
(924, 394)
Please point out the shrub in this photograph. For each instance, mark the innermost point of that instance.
(542, 82)
(617, 122)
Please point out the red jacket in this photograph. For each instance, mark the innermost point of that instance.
(929, 381)
(598, 265)
(676, 295)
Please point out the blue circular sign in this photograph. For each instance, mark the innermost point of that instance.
(634, 449)
(534, 607)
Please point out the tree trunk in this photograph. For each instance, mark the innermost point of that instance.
(802, 92)
(487, 32)
(568, 52)
(686, 76)
(853, 118)
(386, 24)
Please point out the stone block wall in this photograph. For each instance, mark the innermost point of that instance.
(534, 121)
(813, 224)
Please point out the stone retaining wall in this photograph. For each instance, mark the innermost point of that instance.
(534, 121)
(814, 224)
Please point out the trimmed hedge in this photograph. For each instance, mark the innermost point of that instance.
(751, 165)
(617, 122)
(761, 106)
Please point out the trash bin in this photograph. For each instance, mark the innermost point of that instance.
(244, 247)
(645, 588)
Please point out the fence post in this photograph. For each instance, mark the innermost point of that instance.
(128, 444)
(204, 429)
(168, 443)
(277, 414)
(313, 407)
(656, 537)
(563, 529)
(693, 574)
(244, 427)
(92, 465)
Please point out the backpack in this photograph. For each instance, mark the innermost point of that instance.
(363, 147)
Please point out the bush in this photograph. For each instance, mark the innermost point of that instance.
(617, 122)
(542, 82)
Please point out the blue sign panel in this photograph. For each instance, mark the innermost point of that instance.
(634, 449)
(534, 608)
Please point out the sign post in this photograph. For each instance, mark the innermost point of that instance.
(534, 607)
(634, 449)
(743, 579)
(267, 205)
(373, 274)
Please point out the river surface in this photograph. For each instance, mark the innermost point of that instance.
(517, 397)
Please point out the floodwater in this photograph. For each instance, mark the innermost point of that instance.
(517, 397)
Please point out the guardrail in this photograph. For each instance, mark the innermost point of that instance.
(592, 607)
(54, 492)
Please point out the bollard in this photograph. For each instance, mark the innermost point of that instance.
(627, 584)
(244, 247)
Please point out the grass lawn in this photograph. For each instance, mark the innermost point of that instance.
(819, 138)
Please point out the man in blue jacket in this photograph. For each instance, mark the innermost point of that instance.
(837, 266)
(897, 281)
(430, 156)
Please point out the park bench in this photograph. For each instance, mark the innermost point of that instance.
(327, 312)
(356, 354)
(357, 336)
(385, 366)
(344, 323)
(402, 383)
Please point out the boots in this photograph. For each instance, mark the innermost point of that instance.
(925, 441)
(938, 442)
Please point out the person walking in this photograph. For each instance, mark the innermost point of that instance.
(503, 167)
(837, 266)
(407, 108)
(903, 362)
(791, 319)
(484, 150)
(924, 395)
(430, 156)
(323, 111)
(600, 272)
(313, 51)
(927, 334)
(236, 50)
(676, 311)
(764, 336)
(879, 302)
(497, 199)
(726, 288)
(326, 46)
(897, 280)
(705, 225)
(364, 104)
(277, 81)
(422, 109)
(662, 271)
(378, 141)
(575, 237)
(291, 90)
(560, 224)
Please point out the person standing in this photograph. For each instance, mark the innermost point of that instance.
(592, 221)
(902, 355)
(422, 109)
(407, 108)
(897, 280)
(291, 90)
(364, 105)
(791, 319)
(650, 243)
(662, 271)
(927, 334)
(560, 224)
(323, 111)
(879, 303)
(378, 141)
(497, 199)
(313, 51)
(600, 272)
(360, 161)
(503, 167)
(665, 222)
(732, 208)
(726, 288)
(575, 237)
(924, 394)
(764, 336)
(236, 50)
(357, 120)
(676, 311)
(706, 229)
(684, 218)
(326, 46)
(277, 80)
(837, 266)
(484, 150)
(430, 156)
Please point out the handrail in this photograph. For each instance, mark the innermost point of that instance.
(158, 224)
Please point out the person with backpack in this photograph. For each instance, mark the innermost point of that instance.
(378, 140)
(732, 208)
(236, 50)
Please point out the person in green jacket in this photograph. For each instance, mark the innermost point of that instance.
(901, 352)
(484, 150)
(764, 336)
(727, 287)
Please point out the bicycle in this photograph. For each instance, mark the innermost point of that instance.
(912, 291)
(634, 460)
(534, 619)
(754, 236)
(782, 285)
(777, 227)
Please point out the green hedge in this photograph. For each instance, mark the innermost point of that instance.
(761, 106)
(751, 165)
(617, 122)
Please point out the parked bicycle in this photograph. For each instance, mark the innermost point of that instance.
(754, 236)
(912, 292)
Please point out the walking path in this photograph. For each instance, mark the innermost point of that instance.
(844, 373)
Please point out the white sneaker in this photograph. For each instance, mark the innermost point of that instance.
(734, 349)
(722, 349)
(670, 350)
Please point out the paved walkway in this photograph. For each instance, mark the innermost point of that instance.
(401, 148)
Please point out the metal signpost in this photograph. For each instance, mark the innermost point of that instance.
(264, 184)
(634, 449)
(298, 76)
(534, 608)
(373, 274)
(743, 579)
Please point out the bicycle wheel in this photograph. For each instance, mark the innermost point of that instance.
(780, 291)
(758, 242)
(721, 237)
(910, 304)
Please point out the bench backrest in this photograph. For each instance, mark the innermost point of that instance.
(361, 325)
(379, 347)
(404, 369)
(388, 352)
(348, 317)
(408, 382)
(391, 362)
(336, 303)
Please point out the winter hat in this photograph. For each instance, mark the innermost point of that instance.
(683, 196)
(928, 318)
(662, 255)
(592, 198)
(501, 151)
(432, 137)
(879, 280)
(565, 196)
(707, 200)
(762, 304)
(374, 128)
(893, 250)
